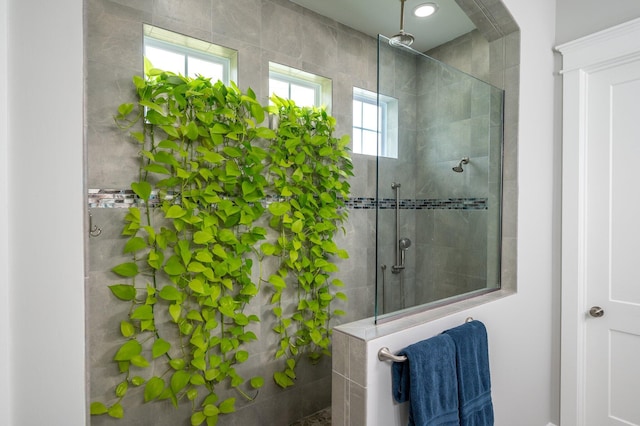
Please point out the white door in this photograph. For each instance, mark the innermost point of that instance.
(612, 247)
(600, 355)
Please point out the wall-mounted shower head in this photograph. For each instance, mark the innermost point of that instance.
(402, 38)
(404, 243)
(458, 168)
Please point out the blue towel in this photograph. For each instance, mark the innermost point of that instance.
(472, 366)
(428, 381)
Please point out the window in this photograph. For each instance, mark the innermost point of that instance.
(188, 56)
(304, 88)
(375, 124)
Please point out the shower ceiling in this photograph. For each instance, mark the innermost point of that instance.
(375, 17)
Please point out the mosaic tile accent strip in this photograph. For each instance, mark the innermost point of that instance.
(435, 204)
(125, 198)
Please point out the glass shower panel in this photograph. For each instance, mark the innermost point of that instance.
(439, 203)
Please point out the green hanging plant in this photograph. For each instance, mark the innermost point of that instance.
(207, 166)
(309, 168)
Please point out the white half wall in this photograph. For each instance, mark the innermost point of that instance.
(44, 199)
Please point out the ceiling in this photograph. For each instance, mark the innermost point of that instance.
(375, 17)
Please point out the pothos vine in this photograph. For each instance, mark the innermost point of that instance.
(208, 169)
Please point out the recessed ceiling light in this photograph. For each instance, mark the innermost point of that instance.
(425, 9)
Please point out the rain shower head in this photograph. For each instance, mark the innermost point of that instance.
(458, 168)
(402, 38)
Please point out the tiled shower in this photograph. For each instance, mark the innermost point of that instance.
(261, 31)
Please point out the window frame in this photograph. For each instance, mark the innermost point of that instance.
(322, 86)
(192, 47)
(387, 122)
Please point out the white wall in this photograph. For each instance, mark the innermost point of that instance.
(43, 227)
(522, 328)
(4, 225)
(578, 18)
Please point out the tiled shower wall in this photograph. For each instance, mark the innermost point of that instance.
(445, 114)
(493, 56)
(261, 31)
(459, 117)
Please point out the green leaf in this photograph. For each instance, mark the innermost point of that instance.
(200, 364)
(226, 235)
(257, 112)
(173, 267)
(196, 286)
(123, 291)
(257, 382)
(143, 312)
(213, 157)
(128, 350)
(139, 361)
(277, 281)
(156, 168)
(174, 212)
(315, 336)
(127, 329)
(142, 190)
(192, 131)
(198, 418)
(153, 106)
(232, 151)
(128, 269)
(297, 226)
(121, 389)
(265, 133)
(219, 251)
(175, 310)
(282, 379)
(278, 208)
(134, 244)
(197, 379)
(177, 363)
(242, 356)
(210, 410)
(125, 109)
(98, 408)
(170, 293)
(137, 381)
(340, 295)
(179, 380)
(153, 389)
(228, 406)
(202, 237)
(268, 249)
(116, 411)
(192, 394)
(160, 347)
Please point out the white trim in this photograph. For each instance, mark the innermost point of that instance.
(616, 42)
(573, 257)
(581, 57)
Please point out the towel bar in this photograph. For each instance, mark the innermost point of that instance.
(384, 354)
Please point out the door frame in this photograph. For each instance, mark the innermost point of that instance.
(604, 49)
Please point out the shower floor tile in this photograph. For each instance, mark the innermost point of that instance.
(321, 418)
